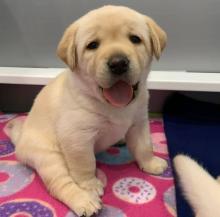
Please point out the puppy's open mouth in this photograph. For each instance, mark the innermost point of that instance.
(120, 94)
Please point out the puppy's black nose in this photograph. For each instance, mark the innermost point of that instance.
(118, 64)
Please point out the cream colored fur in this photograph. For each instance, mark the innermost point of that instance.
(70, 120)
(199, 187)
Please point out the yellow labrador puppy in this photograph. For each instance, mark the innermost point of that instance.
(101, 98)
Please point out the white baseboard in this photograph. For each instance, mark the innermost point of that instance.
(157, 80)
(184, 81)
(35, 76)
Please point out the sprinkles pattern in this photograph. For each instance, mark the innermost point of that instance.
(134, 190)
(28, 208)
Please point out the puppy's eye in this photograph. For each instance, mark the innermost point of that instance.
(92, 45)
(135, 39)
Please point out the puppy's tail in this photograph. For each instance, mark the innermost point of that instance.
(199, 187)
(13, 129)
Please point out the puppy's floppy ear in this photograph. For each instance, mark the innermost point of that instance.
(158, 37)
(66, 49)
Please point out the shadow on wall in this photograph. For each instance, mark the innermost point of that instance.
(17, 98)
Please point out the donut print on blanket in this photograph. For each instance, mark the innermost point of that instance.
(110, 211)
(115, 155)
(106, 211)
(14, 177)
(6, 117)
(26, 208)
(169, 200)
(128, 191)
(134, 190)
(6, 148)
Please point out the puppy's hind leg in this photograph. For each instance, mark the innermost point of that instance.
(53, 170)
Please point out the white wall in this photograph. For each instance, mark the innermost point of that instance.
(31, 29)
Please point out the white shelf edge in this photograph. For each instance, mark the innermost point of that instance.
(157, 80)
(184, 81)
(28, 76)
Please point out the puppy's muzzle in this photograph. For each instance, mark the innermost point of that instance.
(118, 64)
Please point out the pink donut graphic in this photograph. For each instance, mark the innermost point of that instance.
(26, 208)
(159, 143)
(134, 190)
(169, 201)
(14, 177)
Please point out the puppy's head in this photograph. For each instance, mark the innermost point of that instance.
(112, 47)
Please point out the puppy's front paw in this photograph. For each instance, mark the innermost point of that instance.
(87, 204)
(94, 185)
(154, 166)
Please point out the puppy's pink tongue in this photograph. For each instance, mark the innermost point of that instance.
(119, 95)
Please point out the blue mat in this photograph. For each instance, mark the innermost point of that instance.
(192, 127)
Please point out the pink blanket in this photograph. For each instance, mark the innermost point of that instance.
(128, 193)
